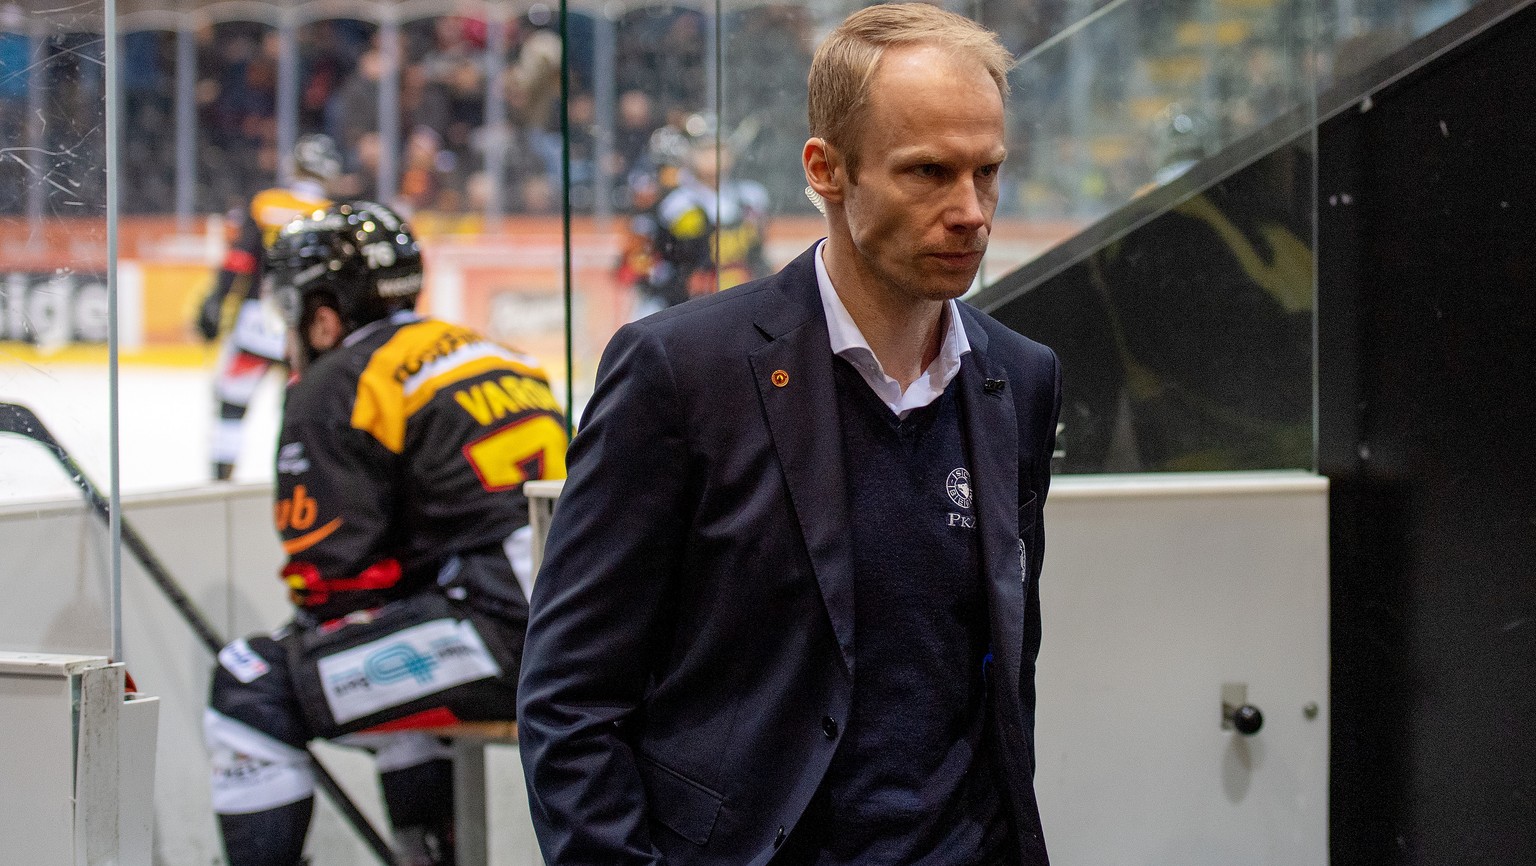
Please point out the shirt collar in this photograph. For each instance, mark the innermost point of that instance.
(849, 343)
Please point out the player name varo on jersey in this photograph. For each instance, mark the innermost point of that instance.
(958, 486)
(410, 664)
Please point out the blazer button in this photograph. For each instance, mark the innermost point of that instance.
(779, 839)
(829, 727)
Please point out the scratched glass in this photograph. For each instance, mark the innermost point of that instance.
(54, 323)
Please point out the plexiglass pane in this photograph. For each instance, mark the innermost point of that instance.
(699, 120)
(53, 327)
(1175, 144)
(452, 112)
(1132, 94)
(1353, 35)
(1188, 343)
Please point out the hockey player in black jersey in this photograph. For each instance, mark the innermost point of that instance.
(404, 447)
(708, 232)
(254, 342)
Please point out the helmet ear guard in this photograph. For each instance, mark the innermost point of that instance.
(361, 254)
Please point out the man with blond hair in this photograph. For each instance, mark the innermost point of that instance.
(789, 609)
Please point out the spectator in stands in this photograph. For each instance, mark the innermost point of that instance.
(679, 60)
(632, 134)
(329, 51)
(533, 93)
(454, 71)
(527, 163)
(581, 146)
(146, 112)
(354, 110)
(421, 181)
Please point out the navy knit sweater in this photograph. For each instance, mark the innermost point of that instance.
(906, 785)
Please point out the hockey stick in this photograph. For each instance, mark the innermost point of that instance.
(18, 419)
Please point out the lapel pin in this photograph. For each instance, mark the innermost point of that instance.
(780, 378)
(993, 386)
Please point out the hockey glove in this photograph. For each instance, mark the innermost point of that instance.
(209, 316)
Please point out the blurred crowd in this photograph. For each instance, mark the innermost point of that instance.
(1095, 119)
(452, 154)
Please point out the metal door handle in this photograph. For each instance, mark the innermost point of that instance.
(1236, 713)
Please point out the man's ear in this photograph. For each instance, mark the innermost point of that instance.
(325, 329)
(824, 169)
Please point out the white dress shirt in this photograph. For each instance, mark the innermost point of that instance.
(848, 342)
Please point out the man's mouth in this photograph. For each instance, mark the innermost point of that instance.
(961, 257)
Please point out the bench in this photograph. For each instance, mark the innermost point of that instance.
(471, 817)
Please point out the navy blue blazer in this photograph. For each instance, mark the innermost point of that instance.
(691, 629)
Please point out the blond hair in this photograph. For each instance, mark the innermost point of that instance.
(846, 62)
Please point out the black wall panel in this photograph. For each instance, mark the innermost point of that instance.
(1427, 335)
(1186, 344)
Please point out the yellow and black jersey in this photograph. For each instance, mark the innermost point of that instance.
(269, 211)
(407, 445)
(706, 239)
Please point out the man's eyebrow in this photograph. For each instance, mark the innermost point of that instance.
(916, 157)
(924, 157)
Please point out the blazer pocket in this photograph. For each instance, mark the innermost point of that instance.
(677, 802)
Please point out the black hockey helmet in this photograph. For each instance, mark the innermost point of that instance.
(358, 256)
(317, 155)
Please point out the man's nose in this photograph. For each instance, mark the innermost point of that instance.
(968, 211)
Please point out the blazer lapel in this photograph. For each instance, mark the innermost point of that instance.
(992, 445)
(793, 372)
(992, 439)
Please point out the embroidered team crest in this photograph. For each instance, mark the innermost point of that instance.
(958, 486)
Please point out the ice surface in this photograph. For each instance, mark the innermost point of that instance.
(166, 416)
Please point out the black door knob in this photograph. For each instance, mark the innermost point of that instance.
(1247, 719)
